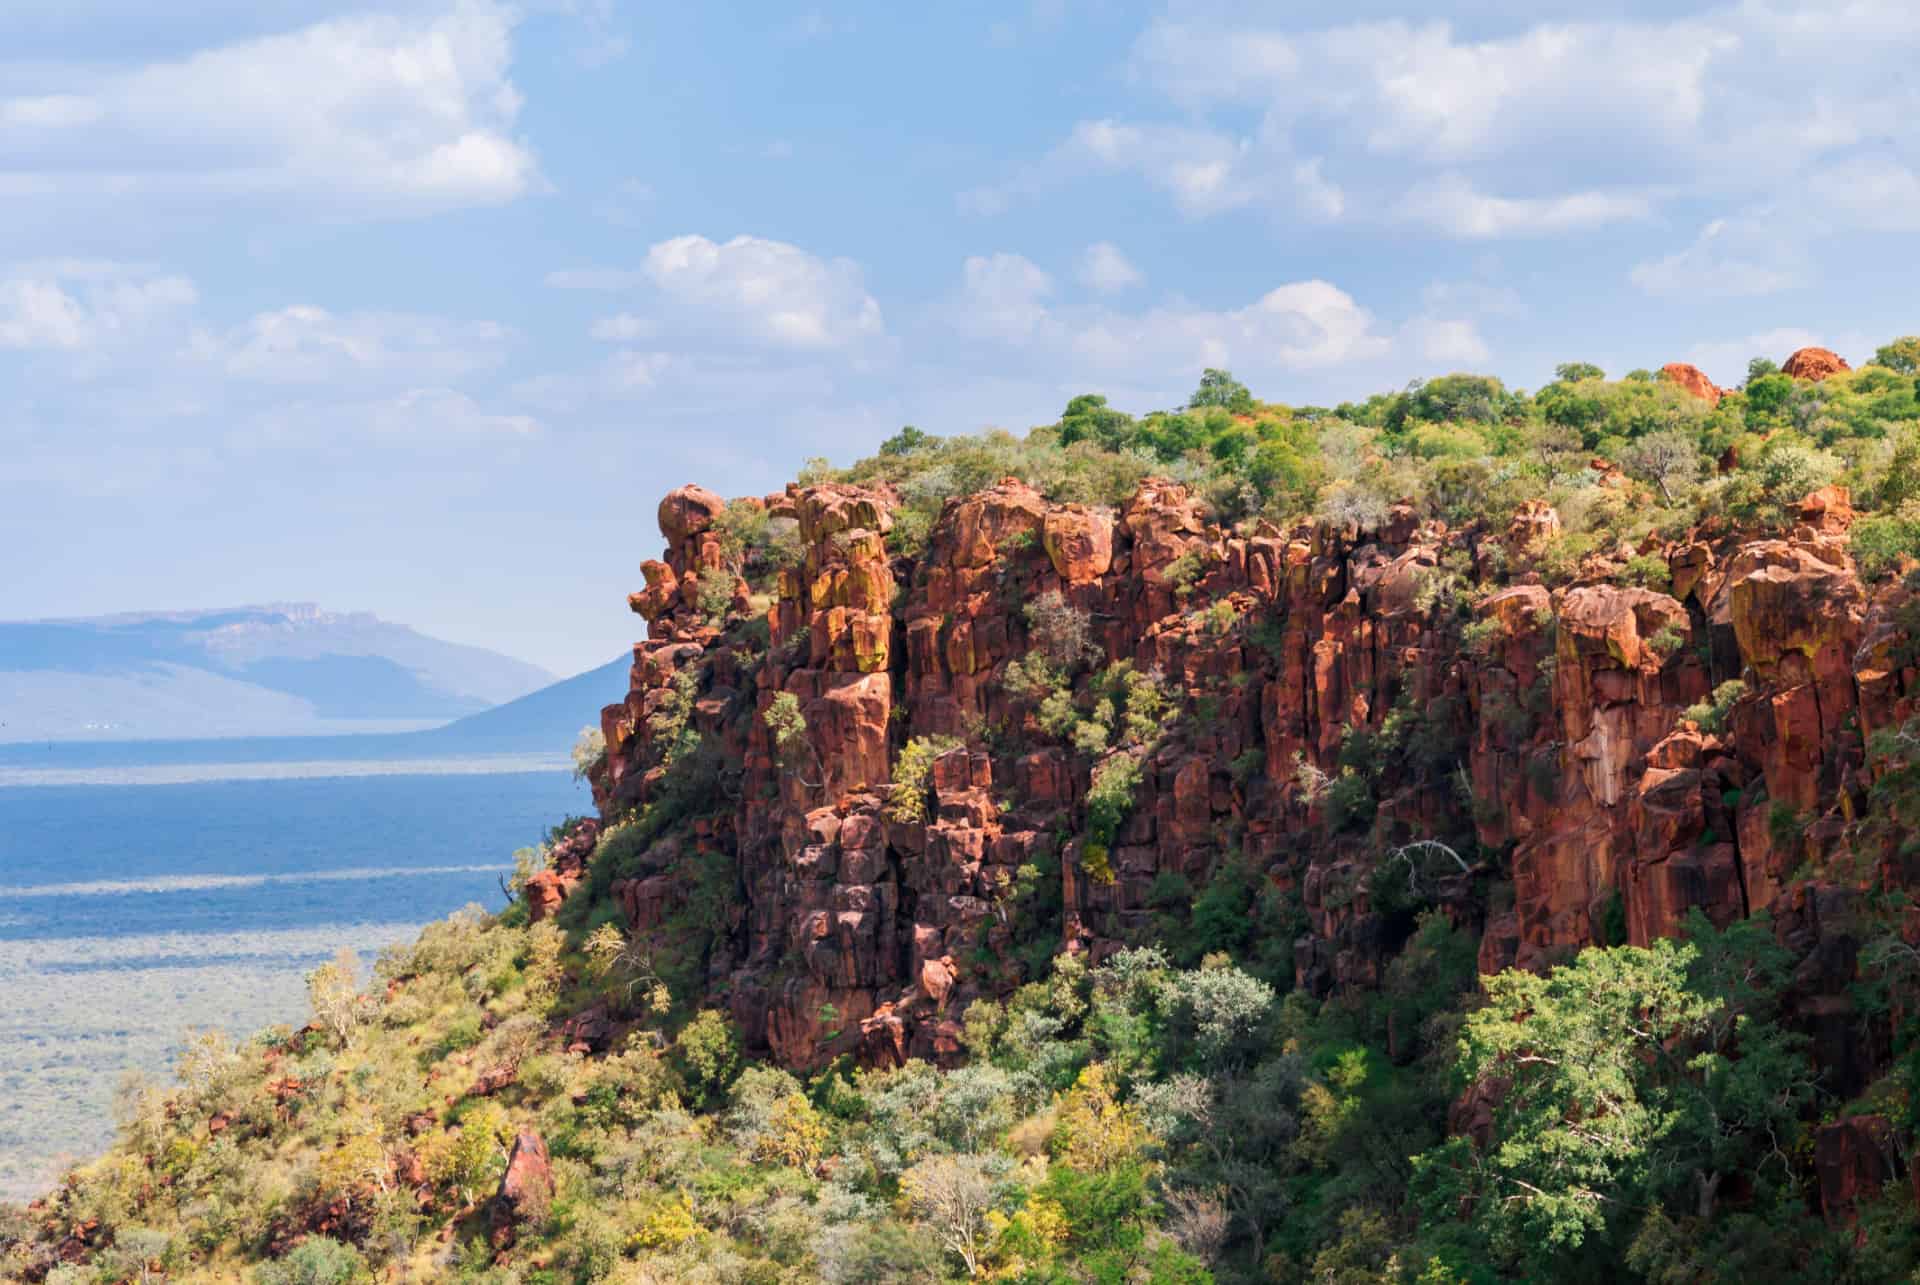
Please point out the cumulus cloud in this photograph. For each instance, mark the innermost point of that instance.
(1452, 205)
(1302, 325)
(766, 291)
(379, 113)
(1105, 268)
(1546, 127)
(77, 306)
(1205, 171)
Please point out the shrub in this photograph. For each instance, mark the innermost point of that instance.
(589, 752)
(912, 772)
(1110, 797)
(1647, 570)
(1710, 715)
(1478, 638)
(1062, 632)
(1183, 572)
(317, 1260)
(670, 729)
(707, 1054)
(714, 596)
(1669, 640)
(333, 993)
(1882, 542)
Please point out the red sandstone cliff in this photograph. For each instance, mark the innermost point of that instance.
(1561, 709)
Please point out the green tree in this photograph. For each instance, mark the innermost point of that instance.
(906, 441)
(1219, 388)
(707, 1054)
(1902, 356)
(1574, 372)
(1629, 1081)
(1088, 418)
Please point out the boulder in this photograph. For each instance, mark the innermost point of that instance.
(1691, 379)
(1815, 364)
(526, 1189)
(687, 511)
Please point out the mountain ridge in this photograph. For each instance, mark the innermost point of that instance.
(280, 668)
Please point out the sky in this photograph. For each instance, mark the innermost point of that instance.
(419, 306)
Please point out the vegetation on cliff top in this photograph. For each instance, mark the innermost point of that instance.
(550, 1102)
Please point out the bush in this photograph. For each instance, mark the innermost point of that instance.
(707, 1055)
(317, 1260)
(912, 773)
(1060, 631)
(1710, 715)
(1883, 542)
(1110, 797)
(1647, 570)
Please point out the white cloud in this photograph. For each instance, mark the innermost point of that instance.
(1542, 128)
(1003, 296)
(1747, 255)
(1452, 205)
(1438, 340)
(766, 291)
(1304, 325)
(1195, 167)
(1105, 268)
(1421, 91)
(368, 114)
(1205, 171)
(306, 344)
(78, 306)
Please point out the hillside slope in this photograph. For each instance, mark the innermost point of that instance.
(280, 669)
(1056, 859)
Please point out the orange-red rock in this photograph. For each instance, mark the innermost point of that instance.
(1814, 363)
(1693, 380)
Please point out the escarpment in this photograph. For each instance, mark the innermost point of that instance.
(1343, 722)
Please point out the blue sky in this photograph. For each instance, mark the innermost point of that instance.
(418, 306)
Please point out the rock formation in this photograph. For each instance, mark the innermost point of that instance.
(1554, 723)
(1814, 364)
(1694, 380)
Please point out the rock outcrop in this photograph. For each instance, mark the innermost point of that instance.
(1815, 364)
(1693, 380)
(1545, 729)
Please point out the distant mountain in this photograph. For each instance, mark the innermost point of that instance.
(549, 719)
(280, 669)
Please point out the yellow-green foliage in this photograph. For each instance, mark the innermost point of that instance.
(907, 801)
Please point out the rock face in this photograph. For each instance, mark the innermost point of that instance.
(1694, 380)
(1853, 1157)
(1814, 364)
(566, 867)
(526, 1189)
(1546, 726)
